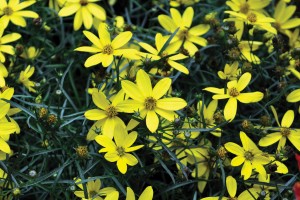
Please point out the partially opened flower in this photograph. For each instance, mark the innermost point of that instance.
(13, 12)
(249, 155)
(186, 34)
(85, 11)
(94, 190)
(233, 94)
(149, 102)
(119, 150)
(283, 132)
(25, 76)
(231, 72)
(104, 49)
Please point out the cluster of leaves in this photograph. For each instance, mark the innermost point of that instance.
(181, 96)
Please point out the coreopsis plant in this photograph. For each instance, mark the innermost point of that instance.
(233, 94)
(282, 15)
(84, 10)
(13, 12)
(186, 34)
(119, 149)
(170, 54)
(249, 155)
(94, 190)
(283, 132)
(148, 101)
(104, 49)
(4, 40)
(106, 114)
(25, 76)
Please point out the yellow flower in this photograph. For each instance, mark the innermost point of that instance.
(4, 48)
(56, 4)
(30, 53)
(3, 74)
(292, 68)
(158, 54)
(93, 190)
(254, 18)
(24, 78)
(177, 3)
(231, 72)
(149, 102)
(283, 132)
(243, 6)
(147, 194)
(85, 11)
(106, 114)
(249, 154)
(207, 116)
(185, 35)
(233, 93)
(13, 11)
(118, 151)
(282, 15)
(106, 49)
(246, 49)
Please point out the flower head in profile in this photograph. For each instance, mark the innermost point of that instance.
(13, 12)
(4, 47)
(24, 78)
(119, 149)
(249, 155)
(106, 114)
(104, 49)
(186, 34)
(234, 94)
(85, 11)
(231, 72)
(94, 190)
(283, 132)
(30, 53)
(169, 55)
(149, 102)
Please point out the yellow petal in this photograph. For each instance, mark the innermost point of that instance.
(292, 23)
(93, 38)
(130, 106)
(122, 165)
(176, 16)
(200, 29)
(4, 108)
(294, 138)
(161, 87)
(246, 170)
(106, 142)
(172, 103)
(10, 38)
(147, 194)
(250, 97)
(169, 115)
(288, 119)
(95, 114)
(269, 139)
(69, 10)
(234, 148)
(132, 90)
(152, 121)
(187, 17)
(4, 146)
(144, 83)
(167, 23)
(243, 81)
(100, 100)
(94, 60)
(130, 159)
(104, 34)
(27, 13)
(294, 96)
(130, 194)
(121, 39)
(230, 109)
(178, 67)
(215, 90)
(231, 186)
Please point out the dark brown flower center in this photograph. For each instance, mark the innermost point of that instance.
(244, 8)
(150, 103)
(108, 49)
(121, 151)
(285, 131)
(111, 111)
(8, 11)
(252, 17)
(233, 92)
(83, 2)
(248, 155)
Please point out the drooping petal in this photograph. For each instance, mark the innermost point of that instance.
(178, 67)
(230, 109)
(231, 186)
(152, 121)
(246, 169)
(122, 165)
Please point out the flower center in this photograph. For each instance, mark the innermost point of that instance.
(8, 11)
(108, 49)
(248, 155)
(150, 103)
(233, 92)
(83, 2)
(164, 54)
(276, 25)
(111, 111)
(252, 17)
(244, 8)
(93, 194)
(183, 34)
(285, 131)
(121, 151)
